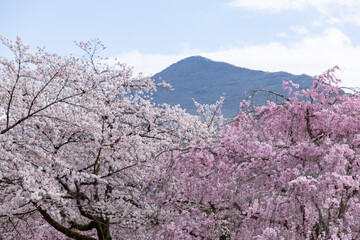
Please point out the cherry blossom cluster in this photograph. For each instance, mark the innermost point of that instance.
(284, 171)
(85, 154)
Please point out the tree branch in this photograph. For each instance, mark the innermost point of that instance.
(61, 228)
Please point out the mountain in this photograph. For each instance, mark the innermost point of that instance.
(206, 81)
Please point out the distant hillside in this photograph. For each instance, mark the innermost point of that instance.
(206, 81)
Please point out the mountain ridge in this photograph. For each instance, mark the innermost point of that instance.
(206, 81)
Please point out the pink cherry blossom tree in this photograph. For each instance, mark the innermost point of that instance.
(287, 171)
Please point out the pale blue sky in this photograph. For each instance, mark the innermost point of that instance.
(298, 36)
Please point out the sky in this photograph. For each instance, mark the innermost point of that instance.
(297, 36)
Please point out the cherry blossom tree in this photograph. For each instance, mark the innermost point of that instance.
(79, 137)
(85, 154)
(285, 171)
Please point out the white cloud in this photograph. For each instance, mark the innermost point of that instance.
(302, 30)
(283, 35)
(311, 55)
(336, 10)
(150, 64)
(280, 5)
(263, 5)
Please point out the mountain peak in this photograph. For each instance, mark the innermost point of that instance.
(193, 61)
(205, 80)
(196, 58)
(198, 64)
